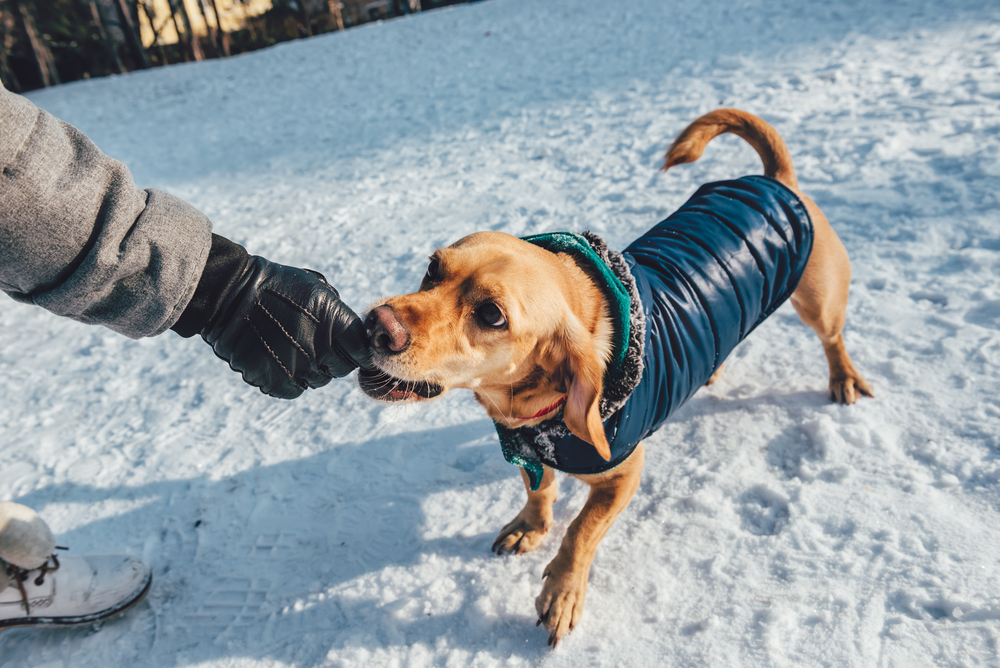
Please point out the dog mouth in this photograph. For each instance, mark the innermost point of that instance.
(379, 385)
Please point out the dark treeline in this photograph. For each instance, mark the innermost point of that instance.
(47, 42)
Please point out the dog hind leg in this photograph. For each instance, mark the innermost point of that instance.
(715, 376)
(821, 302)
(821, 296)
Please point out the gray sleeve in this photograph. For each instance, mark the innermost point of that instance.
(77, 236)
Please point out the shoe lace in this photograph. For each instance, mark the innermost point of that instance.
(21, 575)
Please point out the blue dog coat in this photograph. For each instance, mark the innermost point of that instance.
(706, 277)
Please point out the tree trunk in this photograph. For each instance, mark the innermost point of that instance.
(150, 15)
(130, 24)
(195, 42)
(7, 77)
(182, 37)
(304, 11)
(199, 9)
(214, 29)
(106, 39)
(190, 39)
(8, 24)
(338, 17)
(247, 21)
(43, 56)
(223, 34)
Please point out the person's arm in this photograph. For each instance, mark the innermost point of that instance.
(77, 236)
(80, 239)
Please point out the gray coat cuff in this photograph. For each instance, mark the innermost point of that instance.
(80, 239)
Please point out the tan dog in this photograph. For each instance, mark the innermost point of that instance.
(526, 329)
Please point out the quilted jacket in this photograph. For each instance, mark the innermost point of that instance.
(707, 276)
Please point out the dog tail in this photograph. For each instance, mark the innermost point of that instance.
(766, 141)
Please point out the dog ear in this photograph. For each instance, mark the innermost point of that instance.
(585, 374)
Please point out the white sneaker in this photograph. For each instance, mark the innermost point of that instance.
(74, 590)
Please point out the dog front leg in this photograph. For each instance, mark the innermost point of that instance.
(525, 532)
(560, 605)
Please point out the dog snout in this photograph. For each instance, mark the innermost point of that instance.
(385, 331)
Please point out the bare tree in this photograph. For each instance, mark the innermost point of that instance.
(108, 39)
(246, 19)
(189, 38)
(222, 34)
(130, 24)
(406, 6)
(199, 10)
(43, 55)
(181, 35)
(8, 26)
(338, 17)
(306, 20)
(147, 9)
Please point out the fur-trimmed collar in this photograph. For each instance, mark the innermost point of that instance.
(521, 447)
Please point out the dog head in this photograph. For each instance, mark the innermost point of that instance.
(523, 328)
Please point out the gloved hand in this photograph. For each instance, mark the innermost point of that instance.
(285, 329)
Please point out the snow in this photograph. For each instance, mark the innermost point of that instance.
(772, 528)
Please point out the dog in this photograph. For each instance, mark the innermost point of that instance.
(577, 353)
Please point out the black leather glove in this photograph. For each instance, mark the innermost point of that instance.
(285, 329)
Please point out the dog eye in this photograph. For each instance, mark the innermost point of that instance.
(432, 269)
(489, 314)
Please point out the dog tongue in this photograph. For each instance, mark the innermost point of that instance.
(401, 393)
(382, 386)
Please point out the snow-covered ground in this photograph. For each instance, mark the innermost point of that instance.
(771, 528)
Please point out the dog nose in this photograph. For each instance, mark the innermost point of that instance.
(386, 333)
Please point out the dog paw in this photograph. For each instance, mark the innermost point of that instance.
(846, 389)
(560, 605)
(520, 535)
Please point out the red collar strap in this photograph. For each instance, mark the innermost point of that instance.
(545, 411)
